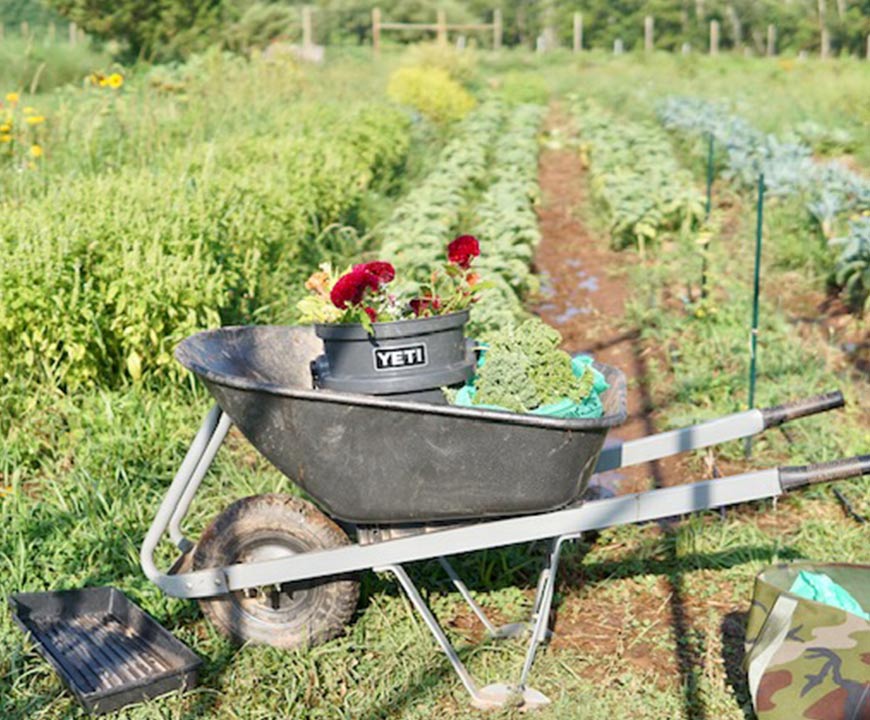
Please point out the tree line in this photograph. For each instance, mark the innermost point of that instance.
(173, 28)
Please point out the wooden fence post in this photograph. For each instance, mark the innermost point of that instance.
(25, 29)
(648, 33)
(736, 26)
(73, 33)
(376, 29)
(823, 28)
(771, 40)
(714, 37)
(306, 26)
(578, 32)
(868, 46)
(497, 29)
(52, 33)
(442, 28)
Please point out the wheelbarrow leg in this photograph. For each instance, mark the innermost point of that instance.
(466, 595)
(539, 622)
(543, 604)
(489, 697)
(428, 618)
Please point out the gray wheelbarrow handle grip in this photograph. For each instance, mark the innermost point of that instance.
(779, 414)
(798, 476)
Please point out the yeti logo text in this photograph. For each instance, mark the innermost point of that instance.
(396, 358)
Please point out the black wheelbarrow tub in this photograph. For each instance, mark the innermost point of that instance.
(369, 460)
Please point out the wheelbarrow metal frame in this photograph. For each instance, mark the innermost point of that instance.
(559, 526)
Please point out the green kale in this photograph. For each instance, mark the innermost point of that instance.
(525, 369)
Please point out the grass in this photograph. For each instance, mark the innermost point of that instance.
(36, 65)
(648, 619)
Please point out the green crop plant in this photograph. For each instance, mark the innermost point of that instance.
(105, 274)
(828, 192)
(495, 152)
(853, 263)
(460, 65)
(504, 218)
(432, 92)
(636, 178)
(414, 236)
(525, 369)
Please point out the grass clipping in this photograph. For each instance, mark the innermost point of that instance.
(525, 369)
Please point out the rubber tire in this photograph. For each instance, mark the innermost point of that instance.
(328, 603)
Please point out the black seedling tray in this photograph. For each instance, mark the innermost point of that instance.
(108, 650)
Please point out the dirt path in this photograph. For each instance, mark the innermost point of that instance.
(585, 293)
(586, 287)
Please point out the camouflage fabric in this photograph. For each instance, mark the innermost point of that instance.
(806, 659)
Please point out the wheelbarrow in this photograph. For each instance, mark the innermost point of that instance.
(410, 481)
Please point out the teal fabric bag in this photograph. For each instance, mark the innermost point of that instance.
(819, 587)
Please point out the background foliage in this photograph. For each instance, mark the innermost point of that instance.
(174, 28)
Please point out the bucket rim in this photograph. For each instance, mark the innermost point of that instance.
(393, 329)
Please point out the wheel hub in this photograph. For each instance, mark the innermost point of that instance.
(272, 603)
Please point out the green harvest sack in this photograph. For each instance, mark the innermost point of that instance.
(807, 659)
(589, 407)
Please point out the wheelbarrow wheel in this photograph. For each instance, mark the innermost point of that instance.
(289, 615)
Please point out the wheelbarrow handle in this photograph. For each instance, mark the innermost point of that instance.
(800, 475)
(779, 414)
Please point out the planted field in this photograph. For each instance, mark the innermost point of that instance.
(199, 195)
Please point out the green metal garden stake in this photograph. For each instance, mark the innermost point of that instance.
(709, 177)
(755, 292)
(707, 209)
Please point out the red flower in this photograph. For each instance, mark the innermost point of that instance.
(383, 271)
(350, 288)
(421, 305)
(371, 312)
(462, 250)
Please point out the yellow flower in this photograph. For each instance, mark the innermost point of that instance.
(12, 98)
(30, 110)
(115, 80)
(35, 120)
(318, 283)
(5, 138)
(35, 151)
(5, 128)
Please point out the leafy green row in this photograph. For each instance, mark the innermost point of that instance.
(505, 221)
(837, 198)
(496, 151)
(103, 275)
(635, 177)
(414, 237)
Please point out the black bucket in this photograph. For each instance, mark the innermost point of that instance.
(406, 359)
